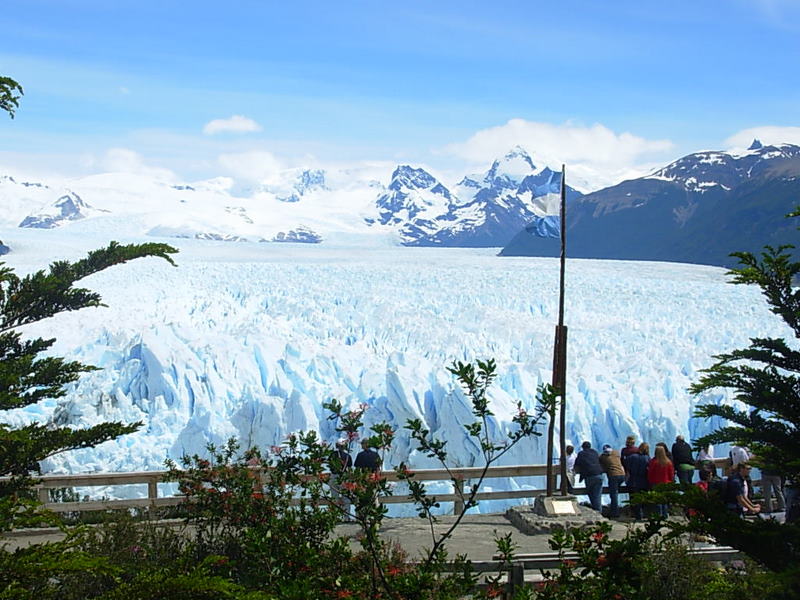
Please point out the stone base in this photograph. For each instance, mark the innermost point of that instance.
(539, 519)
(556, 506)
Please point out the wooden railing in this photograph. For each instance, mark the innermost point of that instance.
(152, 478)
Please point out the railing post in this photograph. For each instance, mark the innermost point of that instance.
(152, 488)
(516, 578)
(458, 488)
(44, 495)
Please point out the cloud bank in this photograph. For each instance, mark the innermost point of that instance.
(768, 134)
(595, 153)
(123, 160)
(234, 124)
(254, 166)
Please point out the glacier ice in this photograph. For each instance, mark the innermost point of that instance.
(248, 340)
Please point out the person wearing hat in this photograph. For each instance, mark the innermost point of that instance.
(736, 491)
(612, 467)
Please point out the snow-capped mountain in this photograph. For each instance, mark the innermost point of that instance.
(69, 207)
(697, 209)
(481, 211)
(297, 183)
(703, 171)
(721, 198)
(125, 204)
(311, 205)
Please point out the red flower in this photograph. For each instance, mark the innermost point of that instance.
(344, 594)
(393, 570)
(602, 560)
(599, 536)
(494, 591)
(350, 486)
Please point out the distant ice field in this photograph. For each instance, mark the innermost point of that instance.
(248, 340)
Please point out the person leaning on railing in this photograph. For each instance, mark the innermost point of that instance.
(736, 491)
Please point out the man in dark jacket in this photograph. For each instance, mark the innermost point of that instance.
(683, 460)
(368, 459)
(588, 466)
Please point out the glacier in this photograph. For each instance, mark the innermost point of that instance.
(248, 340)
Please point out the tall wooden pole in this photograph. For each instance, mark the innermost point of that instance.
(559, 361)
(562, 341)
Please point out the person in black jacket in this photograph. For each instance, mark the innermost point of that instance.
(637, 475)
(683, 460)
(368, 459)
(588, 466)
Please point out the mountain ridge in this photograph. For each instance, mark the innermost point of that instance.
(699, 209)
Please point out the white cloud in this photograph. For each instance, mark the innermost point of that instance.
(597, 153)
(768, 134)
(256, 165)
(235, 124)
(123, 160)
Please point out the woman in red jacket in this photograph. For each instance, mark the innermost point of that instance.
(660, 470)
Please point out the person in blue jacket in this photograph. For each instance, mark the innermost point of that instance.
(636, 464)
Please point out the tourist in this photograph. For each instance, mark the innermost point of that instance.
(771, 483)
(683, 460)
(629, 449)
(637, 475)
(571, 456)
(705, 461)
(660, 470)
(587, 465)
(612, 466)
(737, 492)
(666, 450)
(738, 455)
(368, 459)
(340, 463)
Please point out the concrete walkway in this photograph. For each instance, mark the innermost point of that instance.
(474, 536)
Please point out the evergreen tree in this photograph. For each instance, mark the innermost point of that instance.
(10, 93)
(27, 377)
(766, 375)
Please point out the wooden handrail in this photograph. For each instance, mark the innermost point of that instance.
(153, 478)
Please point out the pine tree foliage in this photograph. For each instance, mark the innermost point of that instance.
(764, 376)
(10, 93)
(27, 377)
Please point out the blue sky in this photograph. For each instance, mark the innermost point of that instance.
(440, 83)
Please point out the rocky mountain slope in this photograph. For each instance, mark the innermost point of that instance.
(697, 209)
